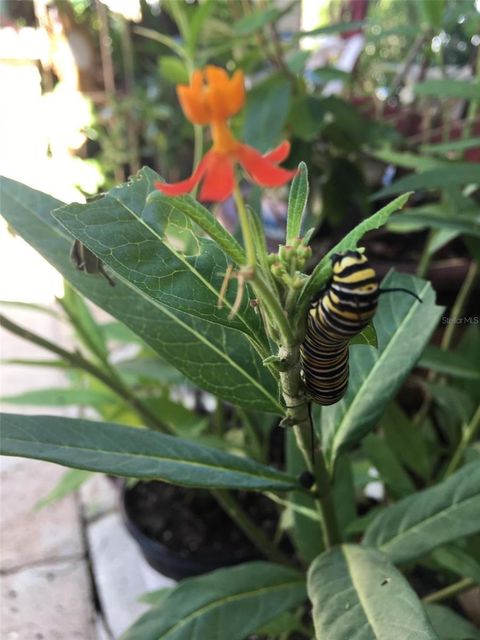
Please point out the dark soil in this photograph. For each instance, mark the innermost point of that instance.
(191, 521)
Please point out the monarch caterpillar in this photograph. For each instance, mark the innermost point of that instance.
(341, 311)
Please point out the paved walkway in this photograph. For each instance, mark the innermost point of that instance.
(68, 571)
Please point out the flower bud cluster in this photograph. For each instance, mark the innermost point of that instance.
(286, 265)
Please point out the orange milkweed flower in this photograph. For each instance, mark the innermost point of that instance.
(212, 98)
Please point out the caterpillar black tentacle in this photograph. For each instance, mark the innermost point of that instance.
(412, 293)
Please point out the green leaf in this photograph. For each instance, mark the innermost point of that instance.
(215, 357)
(432, 12)
(357, 593)
(232, 602)
(255, 21)
(344, 493)
(417, 524)
(323, 270)
(340, 27)
(151, 369)
(156, 597)
(31, 306)
(173, 69)
(455, 145)
(377, 374)
(457, 173)
(406, 160)
(391, 472)
(367, 336)
(189, 207)
(307, 117)
(146, 242)
(88, 331)
(70, 481)
(406, 440)
(449, 363)
(462, 89)
(266, 112)
(455, 559)
(62, 397)
(134, 453)
(424, 218)
(55, 364)
(197, 21)
(449, 625)
(286, 622)
(297, 201)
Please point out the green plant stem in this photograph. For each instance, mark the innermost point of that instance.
(450, 591)
(257, 446)
(469, 433)
(426, 256)
(77, 361)
(273, 308)
(267, 297)
(457, 309)
(249, 528)
(299, 418)
(245, 226)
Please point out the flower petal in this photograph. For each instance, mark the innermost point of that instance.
(279, 154)
(185, 186)
(219, 179)
(261, 169)
(193, 104)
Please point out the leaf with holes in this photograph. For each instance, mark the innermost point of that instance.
(357, 593)
(214, 356)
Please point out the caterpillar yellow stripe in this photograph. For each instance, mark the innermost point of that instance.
(341, 311)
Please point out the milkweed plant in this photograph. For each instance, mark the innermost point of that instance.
(252, 328)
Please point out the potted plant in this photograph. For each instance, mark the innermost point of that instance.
(251, 328)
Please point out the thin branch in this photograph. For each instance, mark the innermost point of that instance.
(450, 591)
(249, 528)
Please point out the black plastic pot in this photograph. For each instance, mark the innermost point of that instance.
(174, 564)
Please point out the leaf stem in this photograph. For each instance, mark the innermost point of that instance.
(249, 528)
(459, 303)
(77, 361)
(450, 591)
(469, 432)
(245, 226)
(273, 308)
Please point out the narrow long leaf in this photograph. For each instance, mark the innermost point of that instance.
(61, 397)
(231, 603)
(449, 625)
(466, 89)
(130, 229)
(376, 374)
(134, 453)
(297, 201)
(456, 174)
(357, 593)
(218, 359)
(417, 524)
(323, 270)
